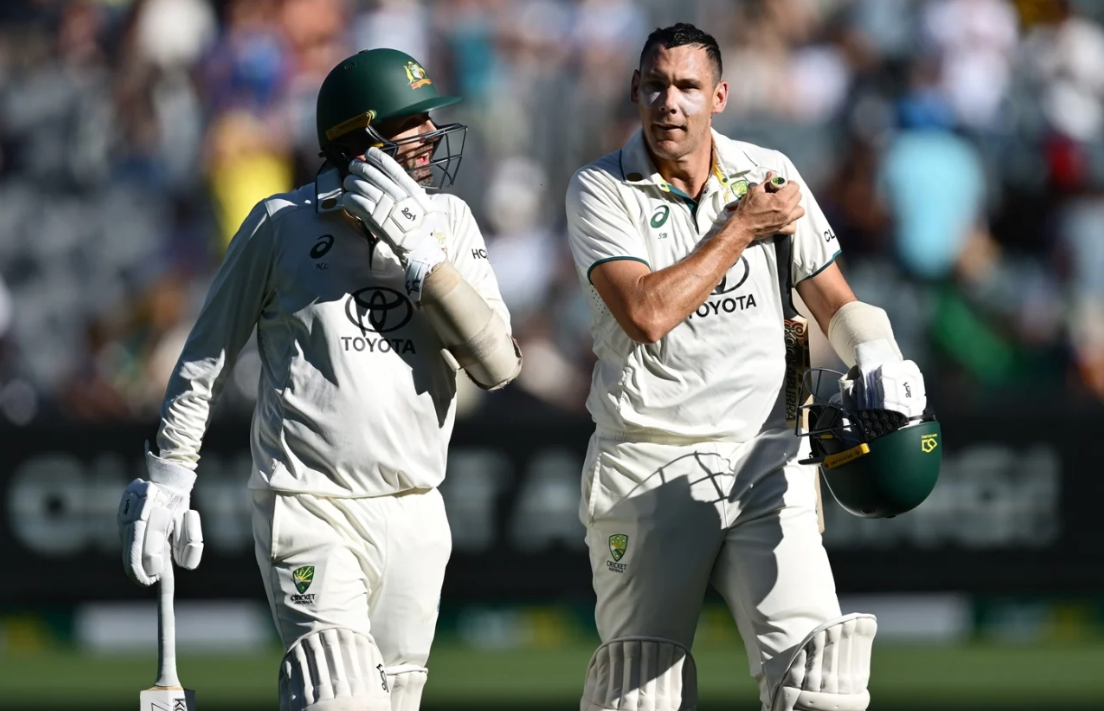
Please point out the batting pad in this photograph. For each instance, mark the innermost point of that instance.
(334, 670)
(831, 669)
(407, 682)
(640, 674)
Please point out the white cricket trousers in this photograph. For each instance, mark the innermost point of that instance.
(666, 520)
(378, 565)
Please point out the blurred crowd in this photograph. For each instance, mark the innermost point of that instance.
(957, 146)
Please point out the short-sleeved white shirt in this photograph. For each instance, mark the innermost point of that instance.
(719, 374)
(355, 397)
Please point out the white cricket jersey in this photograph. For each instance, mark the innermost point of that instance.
(719, 374)
(355, 397)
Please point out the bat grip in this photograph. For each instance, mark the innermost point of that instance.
(166, 628)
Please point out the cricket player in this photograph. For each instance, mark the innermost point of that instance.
(368, 294)
(692, 476)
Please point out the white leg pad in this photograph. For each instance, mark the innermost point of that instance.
(334, 670)
(407, 682)
(830, 670)
(640, 674)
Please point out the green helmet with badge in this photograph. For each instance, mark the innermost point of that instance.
(876, 463)
(375, 89)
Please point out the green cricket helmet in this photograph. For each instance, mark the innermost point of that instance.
(876, 463)
(369, 90)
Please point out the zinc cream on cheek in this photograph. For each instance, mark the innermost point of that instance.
(689, 104)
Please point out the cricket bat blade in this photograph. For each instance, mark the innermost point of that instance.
(167, 698)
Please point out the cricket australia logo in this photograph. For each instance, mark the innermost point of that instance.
(303, 577)
(618, 546)
(416, 75)
(929, 442)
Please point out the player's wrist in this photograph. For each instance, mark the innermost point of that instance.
(170, 475)
(426, 254)
(737, 234)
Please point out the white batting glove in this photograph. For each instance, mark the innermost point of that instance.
(886, 382)
(397, 210)
(155, 516)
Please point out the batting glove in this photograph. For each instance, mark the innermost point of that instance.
(886, 382)
(155, 516)
(397, 210)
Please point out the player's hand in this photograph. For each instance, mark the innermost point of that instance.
(155, 517)
(766, 211)
(393, 206)
(883, 380)
(397, 210)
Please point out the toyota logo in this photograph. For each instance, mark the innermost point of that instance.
(379, 309)
(724, 288)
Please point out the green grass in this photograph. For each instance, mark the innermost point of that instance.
(904, 677)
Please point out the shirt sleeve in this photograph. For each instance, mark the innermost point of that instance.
(468, 253)
(599, 228)
(223, 326)
(815, 245)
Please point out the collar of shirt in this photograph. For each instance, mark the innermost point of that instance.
(327, 188)
(730, 164)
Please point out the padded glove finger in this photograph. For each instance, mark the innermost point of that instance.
(154, 541)
(188, 541)
(357, 185)
(389, 167)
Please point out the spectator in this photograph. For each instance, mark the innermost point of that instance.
(957, 146)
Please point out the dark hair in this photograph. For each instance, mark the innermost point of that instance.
(681, 35)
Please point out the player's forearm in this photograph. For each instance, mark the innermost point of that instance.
(470, 329)
(224, 323)
(665, 298)
(857, 324)
(185, 413)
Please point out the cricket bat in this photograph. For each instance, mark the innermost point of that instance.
(796, 334)
(166, 694)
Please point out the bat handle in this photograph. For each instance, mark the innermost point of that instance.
(166, 628)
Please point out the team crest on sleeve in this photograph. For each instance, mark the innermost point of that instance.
(417, 75)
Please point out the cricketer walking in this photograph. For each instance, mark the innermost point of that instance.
(692, 475)
(368, 294)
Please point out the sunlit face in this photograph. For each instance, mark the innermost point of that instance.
(677, 94)
(415, 155)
